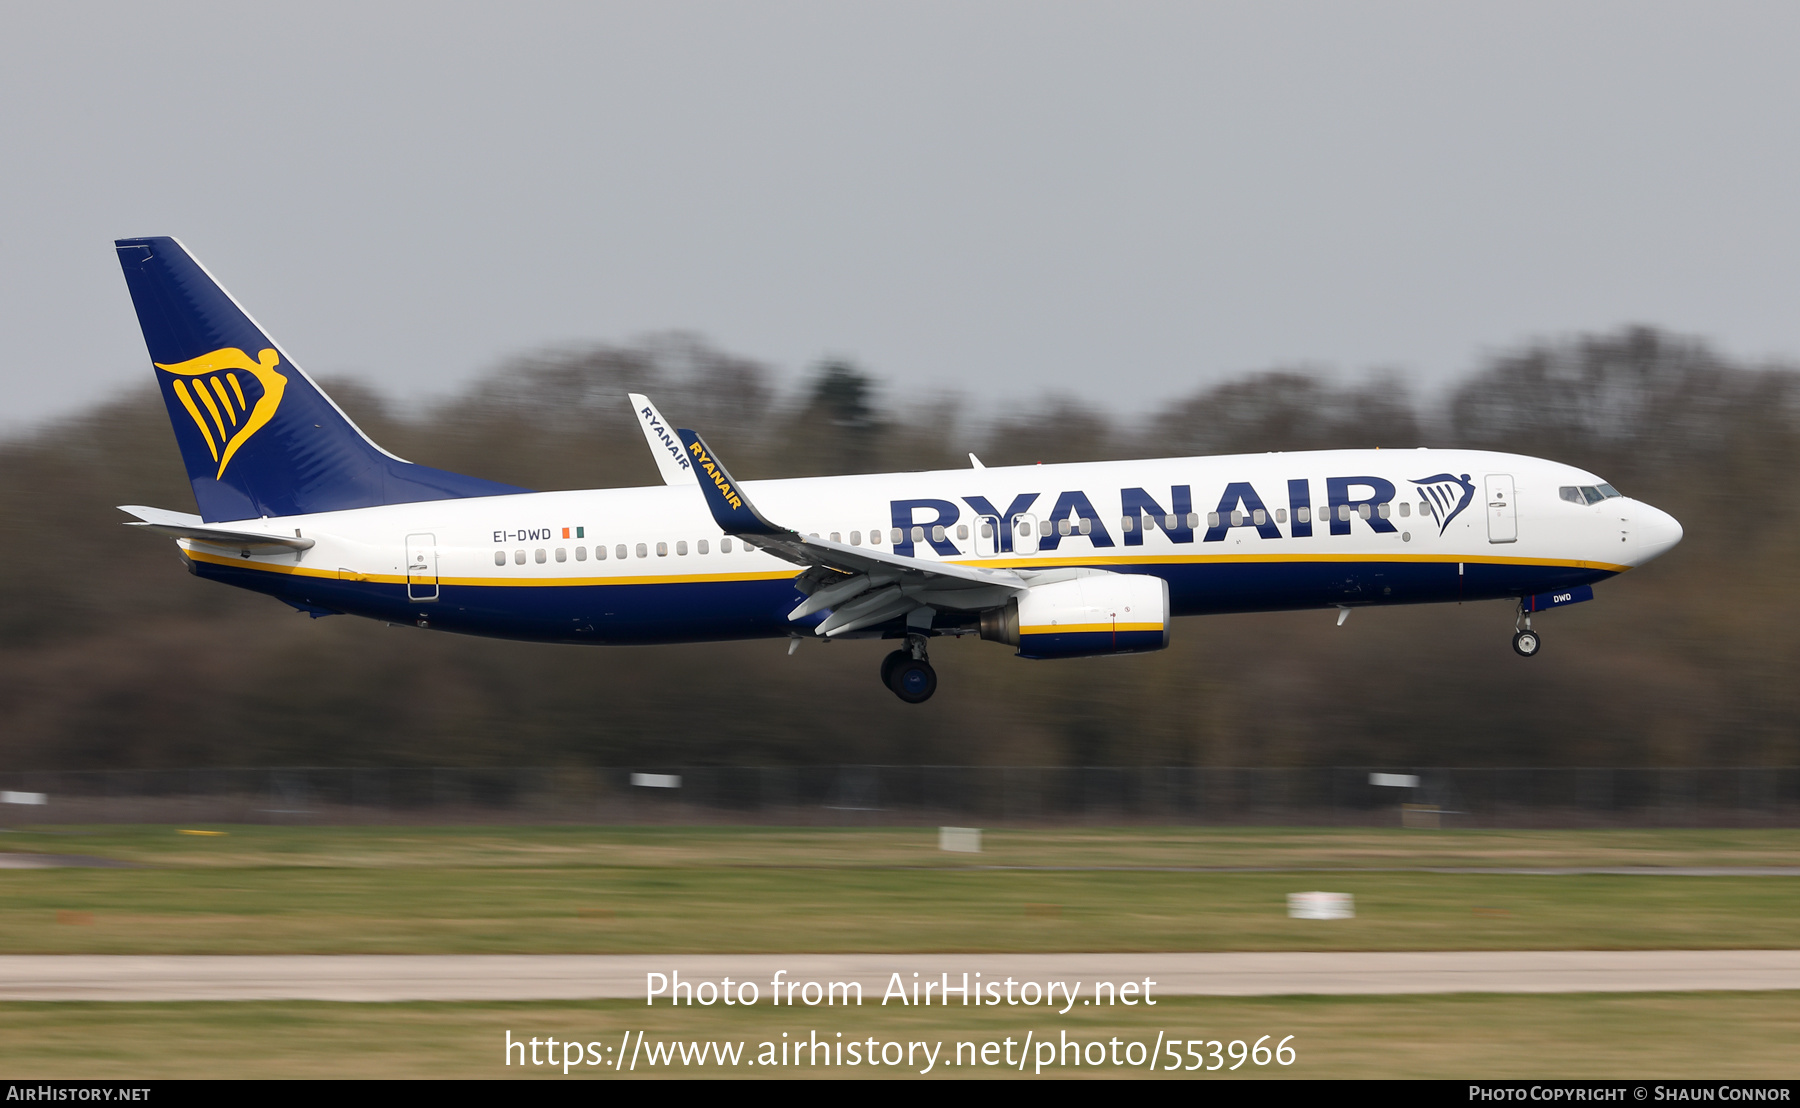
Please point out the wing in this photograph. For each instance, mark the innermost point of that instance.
(184, 526)
(862, 587)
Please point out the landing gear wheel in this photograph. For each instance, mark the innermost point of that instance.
(1525, 643)
(913, 680)
(888, 663)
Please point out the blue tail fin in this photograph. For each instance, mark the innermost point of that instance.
(257, 436)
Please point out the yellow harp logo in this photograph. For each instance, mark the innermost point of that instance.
(217, 390)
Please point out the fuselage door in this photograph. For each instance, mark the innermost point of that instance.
(1502, 512)
(421, 567)
(988, 536)
(1024, 533)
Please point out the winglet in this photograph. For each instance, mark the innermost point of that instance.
(731, 509)
(671, 461)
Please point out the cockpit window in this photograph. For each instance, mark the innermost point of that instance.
(1587, 494)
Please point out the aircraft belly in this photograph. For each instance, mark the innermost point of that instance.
(710, 611)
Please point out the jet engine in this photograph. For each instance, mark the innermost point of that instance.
(1097, 613)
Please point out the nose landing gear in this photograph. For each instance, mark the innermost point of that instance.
(1525, 641)
(908, 672)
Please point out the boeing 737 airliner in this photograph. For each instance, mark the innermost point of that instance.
(1058, 561)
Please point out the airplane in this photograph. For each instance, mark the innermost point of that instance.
(1057, 561)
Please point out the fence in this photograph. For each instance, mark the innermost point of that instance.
(989, 795)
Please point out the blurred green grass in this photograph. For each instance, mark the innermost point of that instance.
(687, 846)
(1637, 1036)
(538, 890)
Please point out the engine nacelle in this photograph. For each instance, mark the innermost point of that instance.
(1100, 613)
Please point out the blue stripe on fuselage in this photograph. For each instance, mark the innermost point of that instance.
(712, 611)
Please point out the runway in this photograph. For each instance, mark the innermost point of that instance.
(451, 977)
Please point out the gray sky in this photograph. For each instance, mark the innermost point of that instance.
(1118, 200)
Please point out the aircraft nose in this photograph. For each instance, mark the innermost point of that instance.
(1657, 533)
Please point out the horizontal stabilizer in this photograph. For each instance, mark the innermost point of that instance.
(183, 526)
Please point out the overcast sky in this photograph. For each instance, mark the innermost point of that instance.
(1116, 200)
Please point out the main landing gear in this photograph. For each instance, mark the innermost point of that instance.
(1525, 640)
(908, 672)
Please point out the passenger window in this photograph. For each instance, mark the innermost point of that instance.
(895, 536)
(1237, 519)
(1128, 524)
(1405, 509)
(1424, 508)
(918, 534)
(499, 557)
(562, 554)
(837, 537)
(518, 557)
(1063, 528)
(1259, 517)
(600, 553)
(874, 536)
(1344, 513)
(856, 538)
(1024, 527)
(662, 550)
(700, 546)
(1303, 514)
(620, 551)
(1170, 523)
(681, 548)
(581, 553)
(1281, 515)
(643, 551)
(539, 556)
(937, 533)
(1212, 519)
(1087, 527)
(1383, 510)
(725, 546)
(1363, 511)
(1193, 520)
(962, 531)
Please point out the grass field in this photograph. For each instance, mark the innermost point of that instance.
(1640, 1036)
(695, 890)
(314, 890)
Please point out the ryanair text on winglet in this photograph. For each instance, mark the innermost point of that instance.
(712, 471)
(649, 416)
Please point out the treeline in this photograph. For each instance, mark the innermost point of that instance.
(113, 657)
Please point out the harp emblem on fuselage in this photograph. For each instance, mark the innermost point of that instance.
(1445, 496)
(213, 393)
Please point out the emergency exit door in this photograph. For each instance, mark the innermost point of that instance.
(1502, 512)
(421, 567)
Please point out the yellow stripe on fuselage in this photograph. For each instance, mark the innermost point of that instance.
(1104, 560)
(997, 563)
(509, 582)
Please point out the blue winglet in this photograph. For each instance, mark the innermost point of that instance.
(731, 509)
